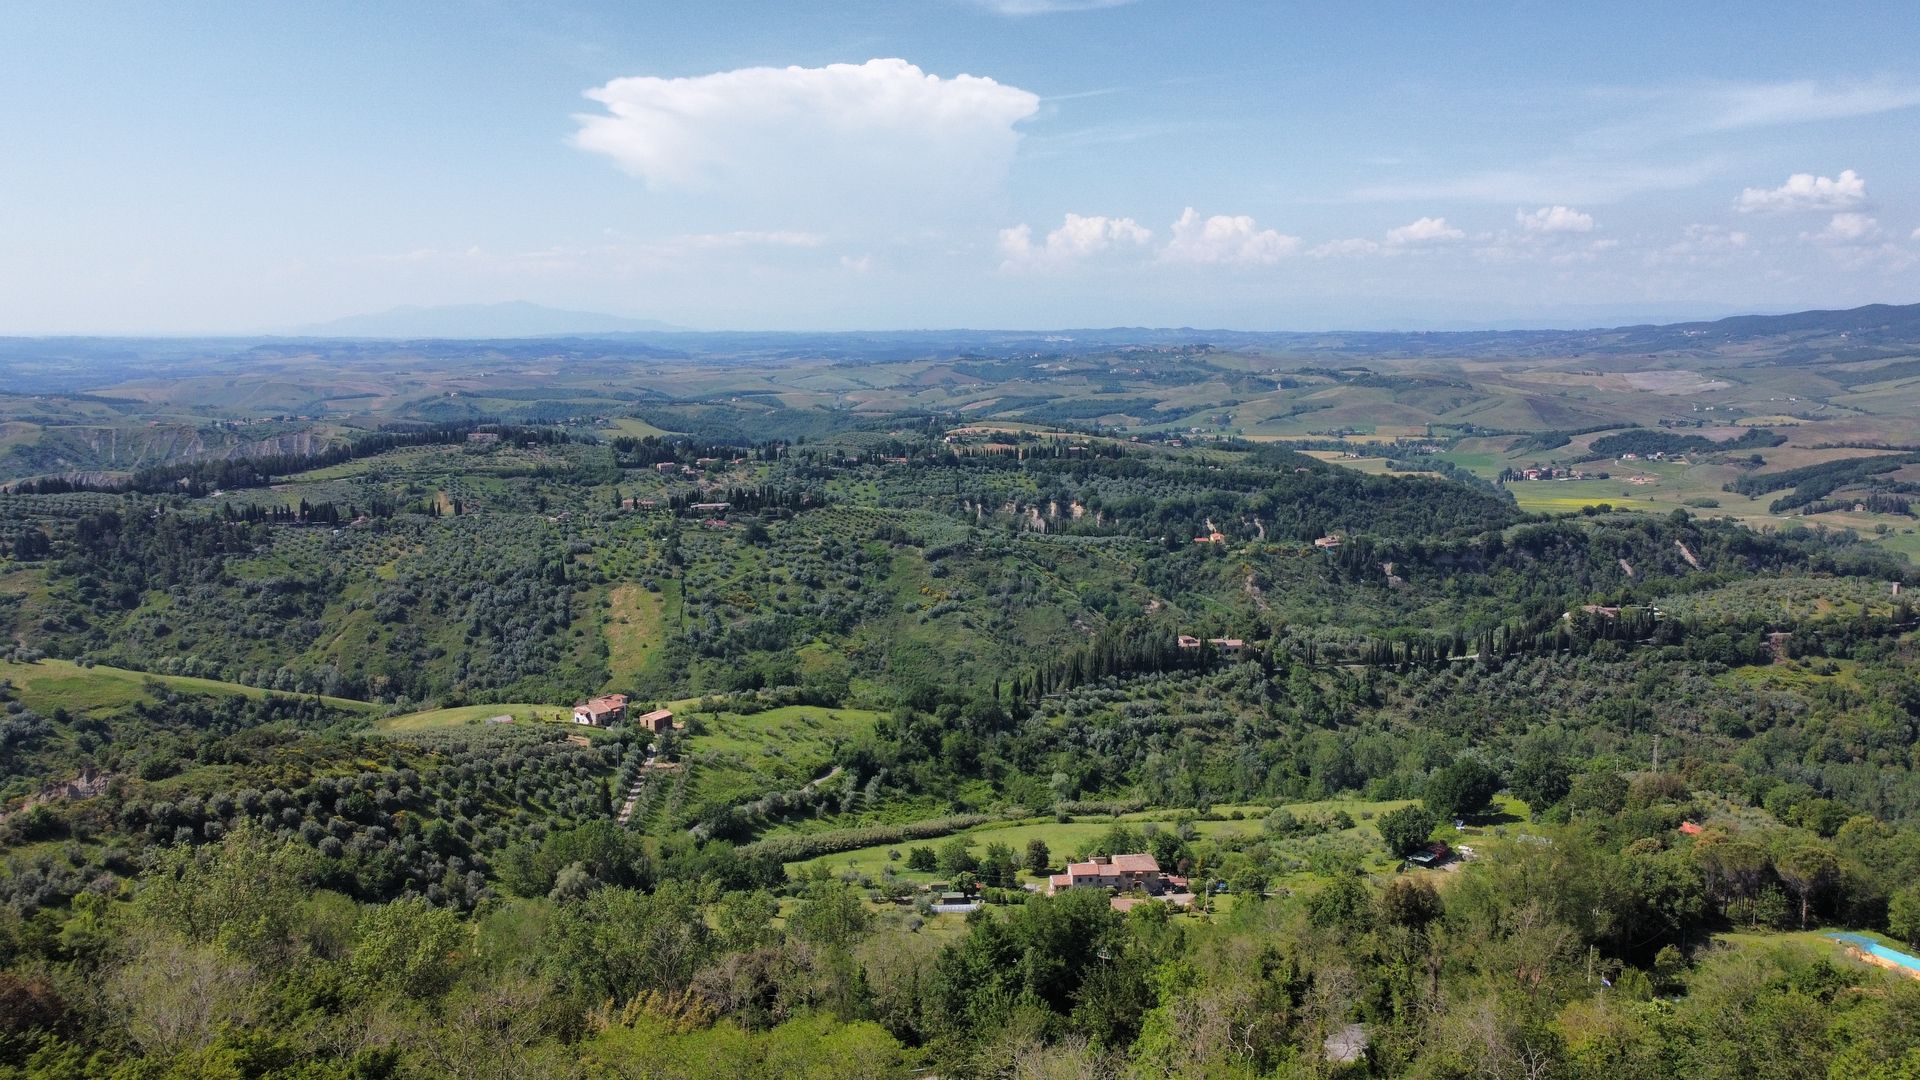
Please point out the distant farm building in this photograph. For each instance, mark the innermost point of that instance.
(1598, 611)
(1127, 872)
(1434, 854)
(483, 436)
(657, 721)
(1187, 641)
(1228, 645)
(1329, 542)
(666, 468)
(1134, 873)
(601, 711)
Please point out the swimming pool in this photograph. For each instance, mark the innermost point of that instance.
(1891, 955)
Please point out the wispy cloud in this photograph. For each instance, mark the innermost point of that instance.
(1022, 8)
(1701, 245)
(1557, 181)
(617, 253)
(1730, 106)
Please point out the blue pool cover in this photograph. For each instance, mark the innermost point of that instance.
(1868, 945)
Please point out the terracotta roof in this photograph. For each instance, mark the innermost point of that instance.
(657, 716)
(1136, 864)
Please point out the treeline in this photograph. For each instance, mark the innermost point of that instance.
(1646, 441)
(1811, 483)
(795, 848)
(1542, 441)
(197, 478)
(1451, 471)
(648, 450)
(326, 512)
(1135, 648)
(1876, 502)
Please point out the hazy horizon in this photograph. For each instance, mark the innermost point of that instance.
(1678, 314)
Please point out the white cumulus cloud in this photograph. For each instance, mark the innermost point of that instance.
(1846, 228)
(856, 139)
(1079, 237)
(1554, 219)
(1426, 230)
(1805, 191)
(1225, 238)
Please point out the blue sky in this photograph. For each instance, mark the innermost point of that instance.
(236, 167)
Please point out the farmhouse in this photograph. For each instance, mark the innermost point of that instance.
(1330, 542)
(601, 711)
(1119, 872)
(657, 721)
(483, 436)
(1231, 646)
(1187, 641)
(666, 468)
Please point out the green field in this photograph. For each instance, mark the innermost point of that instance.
(634, 632)
(634, 427)
(50, 684)
(735, 756)
(1067, 839)
(1810, 946)
(467, 714)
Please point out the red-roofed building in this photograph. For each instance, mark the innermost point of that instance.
(1123, 873)
(601, 711)
(657, 721)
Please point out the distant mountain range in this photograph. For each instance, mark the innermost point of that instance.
(1875, 324)
(512, 319)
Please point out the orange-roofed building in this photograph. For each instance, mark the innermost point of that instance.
(601, 711)
(1123, 873)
